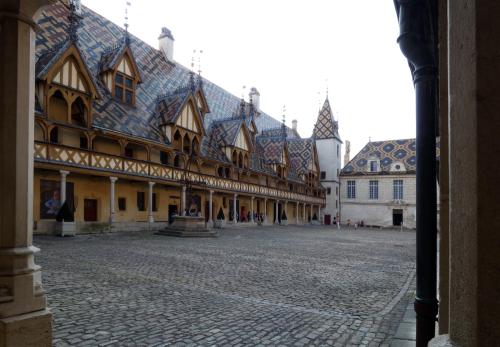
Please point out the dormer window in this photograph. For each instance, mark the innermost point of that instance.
(65, 89)
(124, 88)
(373, 166)
(120, 74)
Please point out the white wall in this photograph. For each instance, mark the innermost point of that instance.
(379, 211)
(330, 162)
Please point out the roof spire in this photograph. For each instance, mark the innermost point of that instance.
(74, 18)
(242, 102)
(326, 81)
(283, 125)
(197, 53)
(192, 85)
(127, 38)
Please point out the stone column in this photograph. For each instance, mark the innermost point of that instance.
(474, 221)
(276, 220)
(285, 208)
(235, 219)
(251, 209)
(183, 201)
(24, 318)
(265, 210)
(297, 213)
(304, 213)
(63, 185)
(112, 199)
(151, 218)
(210, 206)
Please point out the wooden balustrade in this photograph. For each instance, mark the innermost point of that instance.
(54, 153)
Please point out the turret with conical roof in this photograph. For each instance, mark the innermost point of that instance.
(326, 127)
(329, 145)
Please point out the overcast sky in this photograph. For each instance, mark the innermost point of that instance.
(291, 50)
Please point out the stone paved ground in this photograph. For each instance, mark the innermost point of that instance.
(294, 286)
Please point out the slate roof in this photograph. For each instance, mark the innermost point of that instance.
(387, 152)
(326, 127)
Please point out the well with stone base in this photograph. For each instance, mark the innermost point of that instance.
(188, 226)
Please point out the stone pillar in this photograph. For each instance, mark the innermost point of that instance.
(304, 218)
(183, 201)
(276, 220)
(63, 185)
(474, 221)
(151, 218)
(297, 213)
(265, 210)
(112, 199)
(235, 219)
(286, 212)
(24, 317)
(251, 209)
(210, 209)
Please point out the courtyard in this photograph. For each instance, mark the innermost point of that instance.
(288, 286)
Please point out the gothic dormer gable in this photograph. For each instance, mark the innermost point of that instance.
(201, 101)
(64, 66)
(189, 117)
(120, 73)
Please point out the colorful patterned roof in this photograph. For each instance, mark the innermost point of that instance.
(301, 154)
(97, 38)
(326, 127)
(162, 93)
(169, 107)
(387, 152)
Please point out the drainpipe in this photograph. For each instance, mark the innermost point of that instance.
(418, 42)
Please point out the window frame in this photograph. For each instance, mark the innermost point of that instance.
(122, 201)
(397, 189)
(373, 190)
(351, 189)
(124, 88)
(141, 201)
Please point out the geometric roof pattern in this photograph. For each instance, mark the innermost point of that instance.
(326, 127)
(387, 152)
(164, 89)
(301, 154)
(100, 43)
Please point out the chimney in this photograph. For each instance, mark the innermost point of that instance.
(294, 125)
(166, 43)
(254, 95)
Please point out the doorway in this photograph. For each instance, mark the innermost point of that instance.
(90, 210)
(172, 211)
(397, 217)
(328, 219)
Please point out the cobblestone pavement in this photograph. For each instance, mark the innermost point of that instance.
(293, 286)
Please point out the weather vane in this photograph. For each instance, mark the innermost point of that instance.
(243, 92)
(200, 52)
(127, 5)
(284, 114)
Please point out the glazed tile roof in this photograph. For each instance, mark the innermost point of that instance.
(326, 127)
(301, 154)
(97, 38)
(51, 56)
(271, 148)
(169, 107)
(387, 152)
(162, 93)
